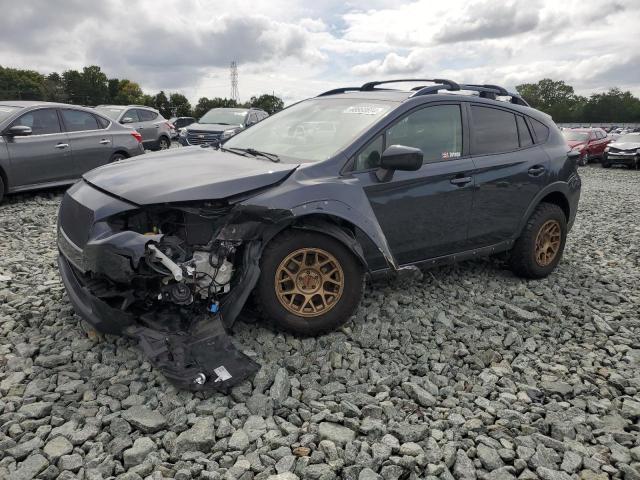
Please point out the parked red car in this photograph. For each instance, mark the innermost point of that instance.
(589, 142)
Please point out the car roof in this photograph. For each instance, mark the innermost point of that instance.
(36, 103)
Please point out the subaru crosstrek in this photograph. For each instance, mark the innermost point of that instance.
(300, 207)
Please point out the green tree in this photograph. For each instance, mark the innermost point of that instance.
(161, 103)
(17, 84)
(54, 88)
(269, 103)
(95, 84)
(128, 93)
(73, 85)
(205, 104)
(113, 86)
(553, 97)
(612, 106)
(180, 105)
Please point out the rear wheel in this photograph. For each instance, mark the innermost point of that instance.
(1, 189)
(164, 143)
(309, 283)
(116, 157)
(539, 248)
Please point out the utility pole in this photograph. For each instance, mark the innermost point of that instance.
(234, 82)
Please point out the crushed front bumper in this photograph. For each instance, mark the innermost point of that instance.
(198, 357)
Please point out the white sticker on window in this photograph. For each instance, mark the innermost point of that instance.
(222, 373)
(364, 109)
(450, 154)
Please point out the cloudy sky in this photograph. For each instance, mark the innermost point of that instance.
(298, 49)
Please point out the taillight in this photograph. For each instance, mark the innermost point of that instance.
(137, 136)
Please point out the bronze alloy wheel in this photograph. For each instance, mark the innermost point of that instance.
(548, 242)
(309, 282)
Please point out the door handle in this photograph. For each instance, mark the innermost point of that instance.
(62, 145)
(460, 181)
(104, 141)
(157, 126)
(536, 171)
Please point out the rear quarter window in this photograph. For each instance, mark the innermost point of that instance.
(541, 130)
(147, 115)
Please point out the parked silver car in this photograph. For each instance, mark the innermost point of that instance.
(50, 144)
(154, 128)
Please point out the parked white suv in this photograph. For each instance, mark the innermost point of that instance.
(154, 128)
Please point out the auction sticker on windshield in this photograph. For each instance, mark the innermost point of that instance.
(364, 109)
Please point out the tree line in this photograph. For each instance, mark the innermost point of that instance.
(91, 87)
(560, 101)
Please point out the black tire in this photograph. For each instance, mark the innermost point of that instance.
(270, 306)
(116, 157)
(523, 258)
(1, 189)
(606, 164)
(584, 159)
(163, 143)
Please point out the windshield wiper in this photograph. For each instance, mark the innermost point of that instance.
(237, 151)
(257, 153)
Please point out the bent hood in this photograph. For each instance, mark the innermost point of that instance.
(186, 174)
(575, 143)
(210, 127)
(625, 145)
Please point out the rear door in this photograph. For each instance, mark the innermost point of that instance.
(510, 170)
(136, 123)
(91, 144)
(149, 125)
(42, 157)
(423, 214)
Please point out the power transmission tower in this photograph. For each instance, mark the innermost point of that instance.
(234, 82)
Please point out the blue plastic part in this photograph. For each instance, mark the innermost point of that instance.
(214, 307)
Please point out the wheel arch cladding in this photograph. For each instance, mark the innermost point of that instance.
(559, 199)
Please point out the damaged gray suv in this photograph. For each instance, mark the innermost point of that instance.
(299, 208)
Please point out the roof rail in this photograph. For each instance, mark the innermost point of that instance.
(485, 90)
(449, 83)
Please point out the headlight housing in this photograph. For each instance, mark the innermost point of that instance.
(606, 149)
(227, 134)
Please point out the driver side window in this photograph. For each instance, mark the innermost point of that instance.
(436, 130)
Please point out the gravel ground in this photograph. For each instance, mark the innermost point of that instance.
(465, 372)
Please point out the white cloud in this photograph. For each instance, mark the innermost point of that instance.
(298, 49)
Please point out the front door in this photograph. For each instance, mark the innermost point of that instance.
(90, 142)
(510, 171)
(42, 157)
(423, 214)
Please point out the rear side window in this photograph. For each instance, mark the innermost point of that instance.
(147, 115)
(41, 122)
(77, 121)
(523, 132)
(540, 129)
(494, 130)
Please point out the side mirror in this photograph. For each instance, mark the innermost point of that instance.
(19, 131)
(399, 157)
(126, 120)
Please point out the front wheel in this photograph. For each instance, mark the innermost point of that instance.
(584, 159)
(539, 249)
(309, 283)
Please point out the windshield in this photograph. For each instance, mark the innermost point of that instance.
(7, 110)
(112, 112)
(224, 116)
(633, 137)
(575, 136)
(312, 130)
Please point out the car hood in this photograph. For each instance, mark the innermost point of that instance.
(186, 174)
(575, 143)
(625, 145)
(211, 127)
